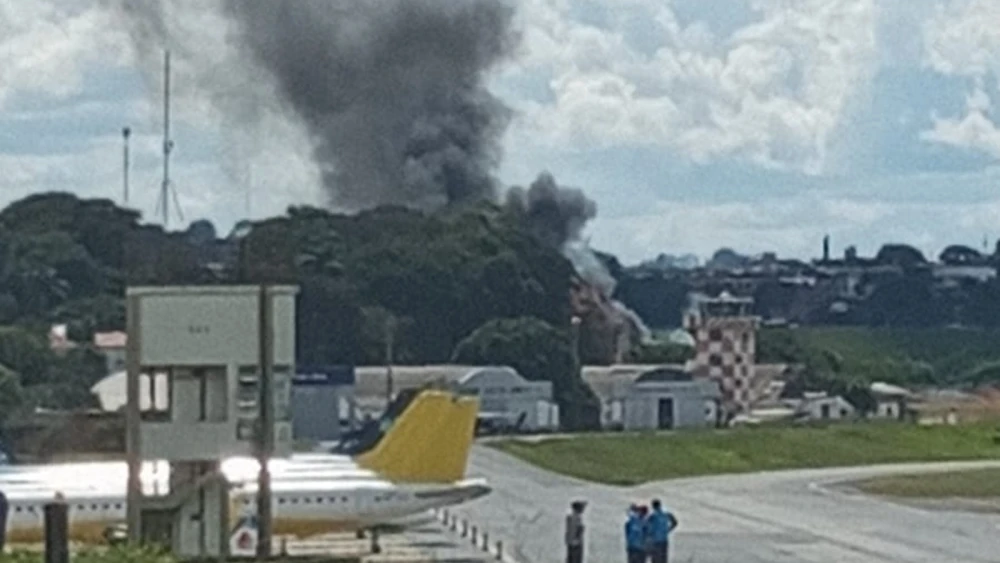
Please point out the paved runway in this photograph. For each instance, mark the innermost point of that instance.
(782, 517)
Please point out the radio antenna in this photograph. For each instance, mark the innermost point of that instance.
(167, 191)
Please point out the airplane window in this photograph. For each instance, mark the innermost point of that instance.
(119, 506)
(93, 507)
(343, 499)
(307, 501)
(80, 507)
(295, 501)
(281, 501)
(106, 506)
(17, 509)
(319, 500)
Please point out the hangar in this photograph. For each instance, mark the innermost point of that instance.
(635, 397)
(505, 395)
(667, 398)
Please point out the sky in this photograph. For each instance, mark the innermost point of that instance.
(759, 125)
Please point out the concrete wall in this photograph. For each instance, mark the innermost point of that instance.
(692, 404)
(317, 411)
(211, 329)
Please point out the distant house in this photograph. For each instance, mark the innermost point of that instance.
(890, 400)
(112, 345)
(820, 406)
(59, 341)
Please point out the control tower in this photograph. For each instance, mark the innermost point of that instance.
(199, 351)
(725, 334)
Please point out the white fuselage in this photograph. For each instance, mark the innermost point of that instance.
(311, 494)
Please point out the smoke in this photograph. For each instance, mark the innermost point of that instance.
(553, 213)
(390, 93)
(557, 215)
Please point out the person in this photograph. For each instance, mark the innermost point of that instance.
(574, 532)
(635, 547)
(4, 507)
(661, 523)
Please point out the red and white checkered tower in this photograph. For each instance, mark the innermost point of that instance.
(725, 330)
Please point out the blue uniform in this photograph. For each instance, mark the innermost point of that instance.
(635, 538)
(660, 525)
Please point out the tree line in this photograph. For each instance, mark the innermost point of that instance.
(453, 285)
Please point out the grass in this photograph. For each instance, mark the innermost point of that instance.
(631, 459)
(977, 483)
(942, 356)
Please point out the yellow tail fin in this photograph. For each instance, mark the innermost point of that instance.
(429, 442)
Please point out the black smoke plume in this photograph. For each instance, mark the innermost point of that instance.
(555, 214)
(391, 92)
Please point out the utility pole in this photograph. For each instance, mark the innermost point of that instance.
(126, 132)
(265, 434)
(575, 323)
(133, 421)
(390, 338)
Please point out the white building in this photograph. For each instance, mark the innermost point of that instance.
(821, 406)
(112, 345)
(505, 393)
(667, 399)
(890, 400)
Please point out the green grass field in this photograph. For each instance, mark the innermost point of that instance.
(630, 459)
(977, 483)
(942, 356)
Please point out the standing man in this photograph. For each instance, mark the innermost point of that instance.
(635, 536)
(574, 532)
(3, 520)
(661, 523)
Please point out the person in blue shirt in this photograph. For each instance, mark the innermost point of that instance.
(661, 524)
(635, 536)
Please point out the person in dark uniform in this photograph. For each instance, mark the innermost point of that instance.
(4, 507)
(574, 532)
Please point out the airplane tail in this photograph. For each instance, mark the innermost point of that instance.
(429, 442)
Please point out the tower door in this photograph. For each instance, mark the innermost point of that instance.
(665, 413)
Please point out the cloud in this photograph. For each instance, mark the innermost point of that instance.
(962, 40)
(794, 226)
(975, 130)
(47, 46)
(772, 93)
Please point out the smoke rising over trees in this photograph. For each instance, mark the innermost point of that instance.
(392, 93)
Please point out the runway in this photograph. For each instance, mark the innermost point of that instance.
(778, 517)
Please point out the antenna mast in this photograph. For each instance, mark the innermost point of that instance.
(166, 189)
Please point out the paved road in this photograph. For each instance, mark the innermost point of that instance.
(792, 516)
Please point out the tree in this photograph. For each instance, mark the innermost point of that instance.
(905, 301)
(901, 255)
(661, 353)
(11, 399)
(539, 352)
(958, 254)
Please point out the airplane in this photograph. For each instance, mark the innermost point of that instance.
(418, 465)
(237, 469)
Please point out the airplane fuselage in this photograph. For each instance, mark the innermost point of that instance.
(301, 508)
